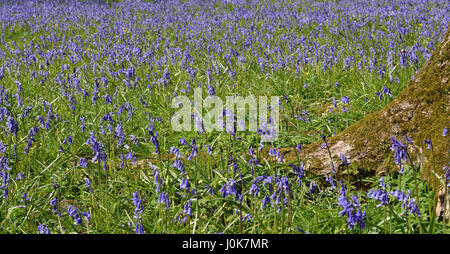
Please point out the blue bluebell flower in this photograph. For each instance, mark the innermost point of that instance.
(43, 229)
(344, 160)
(428, 142)
(184, 184)
(312, 187)
(73, 212)
(400, 153)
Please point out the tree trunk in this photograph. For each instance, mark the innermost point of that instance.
(420, 111)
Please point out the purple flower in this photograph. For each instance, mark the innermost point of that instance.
(331, 181)
(384, 91)
(345, 99)
(12, 126)
(344, 160)
(351, 209)
(137, 202)
(229, 189)
(447, 173)
(254, 189)
(73, 212)
(299, 147)
(179, 165)
(173, 150)
(265, 201)
(20, 176)
(408, 203)
(183, 141)
(408, 140)
(83, 162)
(187, 211)
(107, 99)
(312, 187)
(194, 150)
(82, 124)
(54, 204)
(164, 199)
(25, 199)
(428, 142)
(379, 194)
(139, 229)
(400, 151)
(247, 217)
(184, 184)
(208, 147)
(154, 140)
(87, 183)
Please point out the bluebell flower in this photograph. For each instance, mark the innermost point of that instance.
(344, 109)
(408, 140)
(379, 195)
(400, 151)
(155, 142)
(12, 126)
(20, 176)
(301, 230)
(26, 112)
(209, 189)
(229, 189)
(331, 181)
(428, 142)
(118, 132)
(351, 209)
(82, 124)
(345, 99)
(83, 162)
(137, 202)
(247, 217)
(265, 201)
(175, 151)
(184, 184)
(73, 212)
(87, 215)
(107, 99)
(187, 211)
(183, 141)
(25, 199)
(324, 138)
(299, 147)
(447, 174)
(312, 187)
(194, 150)
(139, 229)
(141, 99)
(131, 156)
(54, 204)
(254, 189)
(179, 165)
(344, 160)
(384, 91)
(408, 203)
(43, 229)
